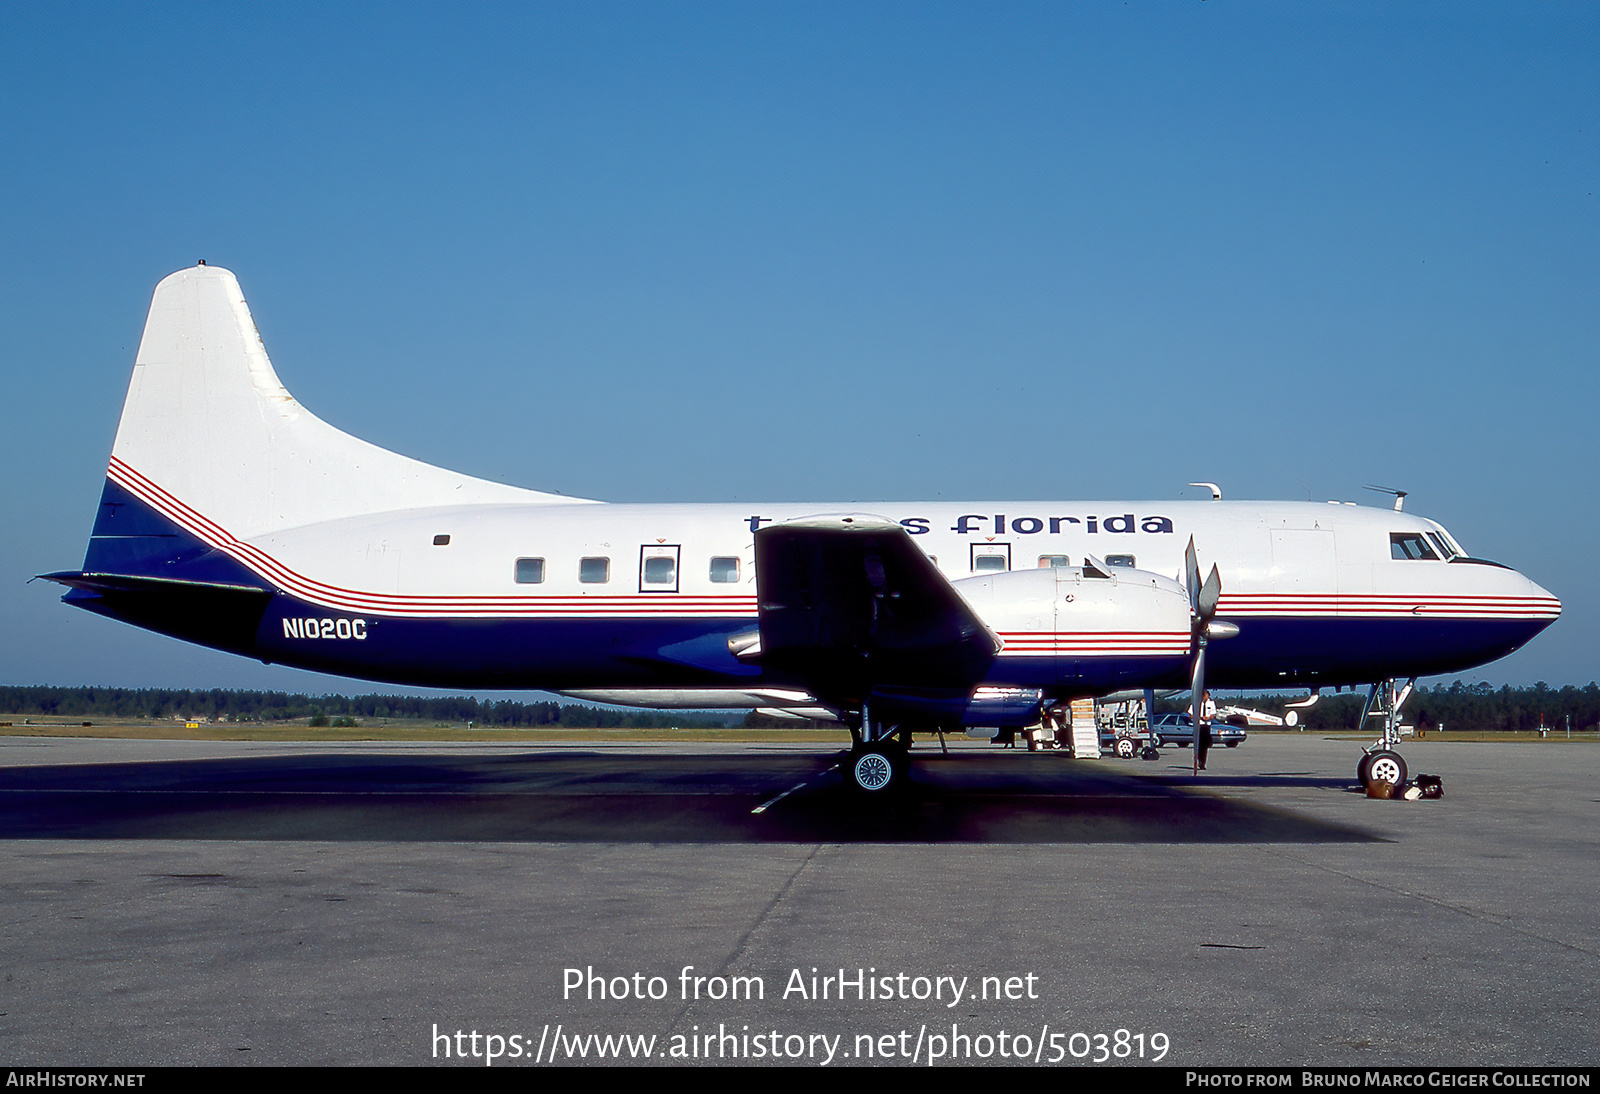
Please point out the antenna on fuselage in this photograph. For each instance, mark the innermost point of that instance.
(1216, 491)
(1399, 495)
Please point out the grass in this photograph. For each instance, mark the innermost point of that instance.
(392, 729)
(1448, 737)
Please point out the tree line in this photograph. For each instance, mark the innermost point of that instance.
(227, 705)
(1469, 708)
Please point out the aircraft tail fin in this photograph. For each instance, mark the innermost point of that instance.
(208, 430)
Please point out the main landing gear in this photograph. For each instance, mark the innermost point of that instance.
(879, 763)
(1381, 762)
(877, 769)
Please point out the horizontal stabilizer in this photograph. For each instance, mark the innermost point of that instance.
(222, 616)
(130, 583)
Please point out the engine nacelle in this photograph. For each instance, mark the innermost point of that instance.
(1099, 628)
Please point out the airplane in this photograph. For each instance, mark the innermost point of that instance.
(233, 517)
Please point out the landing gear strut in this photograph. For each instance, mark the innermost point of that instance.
(1381, 762)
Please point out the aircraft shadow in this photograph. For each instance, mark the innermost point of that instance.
(638, 797)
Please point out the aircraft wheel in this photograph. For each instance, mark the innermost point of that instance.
(1149, 754)
(1362, 767)
(1126, 749)
(876, 769)
(1386, 767)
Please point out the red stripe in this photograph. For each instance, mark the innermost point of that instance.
(319, 592)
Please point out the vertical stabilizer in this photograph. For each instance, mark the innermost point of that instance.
(208, 425)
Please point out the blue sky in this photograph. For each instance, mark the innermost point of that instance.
(705, 252)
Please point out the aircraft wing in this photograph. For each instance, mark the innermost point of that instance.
(850, 603)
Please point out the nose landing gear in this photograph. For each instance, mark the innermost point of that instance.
(1382, 763)
(1382, 766)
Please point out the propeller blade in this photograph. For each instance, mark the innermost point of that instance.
(1191, 574)
(1203, 600)
(1210, 593)
(1197, 691)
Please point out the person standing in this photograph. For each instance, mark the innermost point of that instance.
(1202, 732)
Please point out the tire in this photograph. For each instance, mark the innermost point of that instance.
(1126, 749)
(875, 771)
(1231, 744)
(1386, 766)
(1362, 768)
(1149, 754)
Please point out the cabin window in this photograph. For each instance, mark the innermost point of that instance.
(441, 541)
(1410, 545)
(594, 571)
(530, 571)
(1049, 562)
(660, 571)
(724, 570)
(1126, 561)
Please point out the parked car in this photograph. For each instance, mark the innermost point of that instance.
(1178, 729)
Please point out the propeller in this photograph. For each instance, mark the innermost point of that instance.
(1203, 598)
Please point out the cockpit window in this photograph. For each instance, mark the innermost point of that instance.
(1412, 545)
(1445, 550)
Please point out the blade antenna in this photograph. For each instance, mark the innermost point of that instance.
(1399, 495)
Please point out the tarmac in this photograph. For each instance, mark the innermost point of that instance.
(173, 903)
